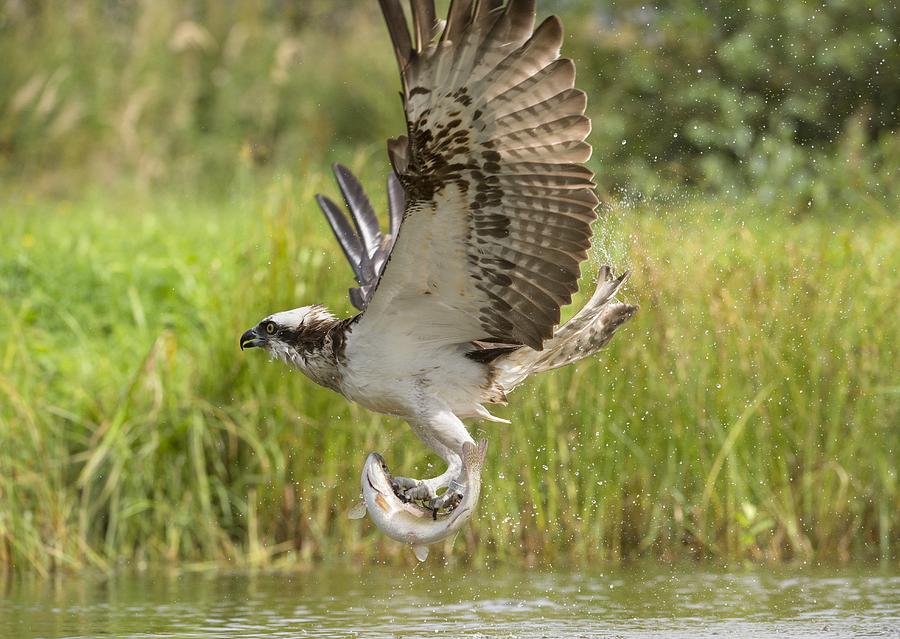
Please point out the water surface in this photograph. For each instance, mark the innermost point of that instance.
(642, 601)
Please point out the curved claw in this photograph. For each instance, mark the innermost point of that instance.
(449, 500)
(409, 489)
(425, 491)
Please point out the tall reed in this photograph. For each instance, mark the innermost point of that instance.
(749, 411)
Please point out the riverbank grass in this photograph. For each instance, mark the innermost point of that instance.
(749, 411)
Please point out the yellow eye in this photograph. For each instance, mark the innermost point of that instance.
(270, 327)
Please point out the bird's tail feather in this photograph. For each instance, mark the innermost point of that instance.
(582, 336)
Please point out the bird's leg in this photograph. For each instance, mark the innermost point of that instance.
(426, 490)
(444, 433)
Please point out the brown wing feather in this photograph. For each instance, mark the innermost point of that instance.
(498, 206)
(399, 31)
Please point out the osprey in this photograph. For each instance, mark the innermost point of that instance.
(490, 212)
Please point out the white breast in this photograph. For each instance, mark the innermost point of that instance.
(401, 378)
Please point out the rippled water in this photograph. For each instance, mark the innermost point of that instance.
(432, 601)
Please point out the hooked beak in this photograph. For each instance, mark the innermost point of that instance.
(250, 339)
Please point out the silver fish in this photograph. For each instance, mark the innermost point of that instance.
(410, 523)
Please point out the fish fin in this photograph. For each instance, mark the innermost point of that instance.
(421, 552)
(482, 451)
(473, 456)
(358, 511)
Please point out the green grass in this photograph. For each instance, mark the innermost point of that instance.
(749, 411)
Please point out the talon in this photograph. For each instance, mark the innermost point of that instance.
(405, 482)
(448, 501)
(400, 488)
(408, 489)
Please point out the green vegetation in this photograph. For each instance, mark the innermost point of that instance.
(796, 100)
(749, 411)
(158, 161)
(782, 97)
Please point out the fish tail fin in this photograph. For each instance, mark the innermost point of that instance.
(473, 456)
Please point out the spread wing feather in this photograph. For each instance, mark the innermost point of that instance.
(498, 207)
(396, 204)
(365, 246)
(358, 204)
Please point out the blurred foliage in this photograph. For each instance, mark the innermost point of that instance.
(793, 100)
(202, 91)
(798, 99)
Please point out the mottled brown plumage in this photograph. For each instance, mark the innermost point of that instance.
(490, 166)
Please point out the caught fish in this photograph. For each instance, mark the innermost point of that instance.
(408, 522)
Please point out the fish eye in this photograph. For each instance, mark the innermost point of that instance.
(270, 328)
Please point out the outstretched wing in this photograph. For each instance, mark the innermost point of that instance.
(363, 243)
(499, 207)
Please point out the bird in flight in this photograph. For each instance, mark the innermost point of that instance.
(490, 213)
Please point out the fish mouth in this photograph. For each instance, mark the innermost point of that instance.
(376, 461)
(371, 485)
(377, 473)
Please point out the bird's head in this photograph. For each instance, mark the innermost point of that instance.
(290, 334)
